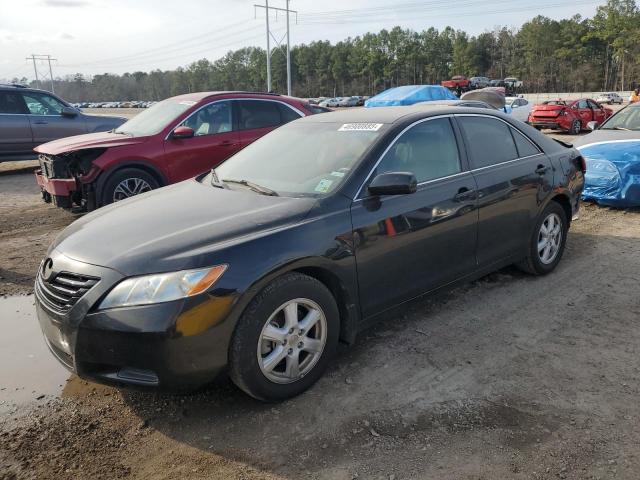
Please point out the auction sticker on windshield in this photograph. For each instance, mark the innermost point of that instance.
(360, 127)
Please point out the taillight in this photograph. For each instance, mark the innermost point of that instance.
(580, 163)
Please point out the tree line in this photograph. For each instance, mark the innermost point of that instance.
(575, 54)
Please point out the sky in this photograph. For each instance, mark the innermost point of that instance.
(117, 36)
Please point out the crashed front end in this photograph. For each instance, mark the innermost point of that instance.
(67, 180)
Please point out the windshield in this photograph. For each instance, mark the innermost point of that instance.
(300, 159)
(155, 118)
(626, 119)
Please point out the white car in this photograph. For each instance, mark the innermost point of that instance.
(330, 102)
(610, 98)
(519, 107)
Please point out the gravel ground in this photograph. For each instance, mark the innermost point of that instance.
(508, 377)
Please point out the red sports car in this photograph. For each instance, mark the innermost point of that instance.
(569, 115)
(175, 139)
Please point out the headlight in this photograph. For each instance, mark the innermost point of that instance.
(162, 287)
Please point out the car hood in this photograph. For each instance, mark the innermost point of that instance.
(600, 136)
(88, 140)
(176, 227)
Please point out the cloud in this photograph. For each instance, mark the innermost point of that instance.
(66, 3)
(66, 36)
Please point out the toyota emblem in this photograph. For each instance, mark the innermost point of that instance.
(47, 269)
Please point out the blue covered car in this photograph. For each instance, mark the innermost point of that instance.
(409, 95)
(612, 155)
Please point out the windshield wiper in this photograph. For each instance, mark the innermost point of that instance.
(215, 181)
(254, 186)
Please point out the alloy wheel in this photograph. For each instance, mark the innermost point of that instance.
(130, 187)
(292, 341)
(549, 238)
(576, 127)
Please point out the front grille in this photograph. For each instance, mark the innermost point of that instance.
(62, 291)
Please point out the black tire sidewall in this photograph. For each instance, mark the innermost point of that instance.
(573, 130)
(534, 260)
(115, 178)
(243, 362)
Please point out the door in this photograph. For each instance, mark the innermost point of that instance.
(409, 244)
(258, 117)
(513, 176)
(16, 137)
(598, 112)
(47, 121)
(582, 110)
(214, 141)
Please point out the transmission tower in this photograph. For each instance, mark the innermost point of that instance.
(42, 58)
(270, 35)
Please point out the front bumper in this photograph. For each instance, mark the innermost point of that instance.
(57, 190)
(174, 346)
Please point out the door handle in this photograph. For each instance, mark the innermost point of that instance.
(541, 170)
(227, 143)
(464, 194)
(41, 122)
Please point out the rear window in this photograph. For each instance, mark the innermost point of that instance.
(12, 103)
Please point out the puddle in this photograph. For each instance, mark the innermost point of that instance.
(27, 368)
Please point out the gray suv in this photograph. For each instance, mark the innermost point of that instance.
(30, 117)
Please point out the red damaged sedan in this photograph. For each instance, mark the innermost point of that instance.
(569, 115)
(175, 139)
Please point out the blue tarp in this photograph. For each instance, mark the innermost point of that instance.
(613, 173)
(410, 94)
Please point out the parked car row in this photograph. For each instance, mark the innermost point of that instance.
(334, 102)
(130, 104)
(461, 84)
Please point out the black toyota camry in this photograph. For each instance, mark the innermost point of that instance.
(261, 266)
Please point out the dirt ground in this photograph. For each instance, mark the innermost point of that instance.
(509, 377)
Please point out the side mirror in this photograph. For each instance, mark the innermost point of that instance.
(592, 125)
(69, 112)
(182, 132)
(393, 183)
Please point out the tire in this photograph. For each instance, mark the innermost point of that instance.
(132, 180)
(536, 263)
(576, 127)
(263, 333)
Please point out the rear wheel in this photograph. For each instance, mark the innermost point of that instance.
(547, 242)
(285, 338)
(126, 183)
(576, 127)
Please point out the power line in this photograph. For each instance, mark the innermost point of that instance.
(170, 47)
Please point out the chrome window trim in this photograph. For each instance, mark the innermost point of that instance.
(232, 100)
(504, 163)
(393, 142)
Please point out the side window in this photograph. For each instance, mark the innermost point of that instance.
(594, 105)
(287, 114)
(525, 147)
(428, 150)
(489, 141)
(211, 119)
(583, 104)
(40, 104)
(12, 103)
(257, 114)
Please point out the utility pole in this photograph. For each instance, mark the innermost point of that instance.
(34, 58)
(268, 9)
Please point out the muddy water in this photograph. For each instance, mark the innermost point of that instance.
(29, 374)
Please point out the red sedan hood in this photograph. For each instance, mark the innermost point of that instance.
(89, 140)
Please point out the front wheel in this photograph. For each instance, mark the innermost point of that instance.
(285, 339)
(126, 183)
(547, 242)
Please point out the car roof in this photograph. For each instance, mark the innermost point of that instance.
(16, 87)
(390, 115)
(198, 96)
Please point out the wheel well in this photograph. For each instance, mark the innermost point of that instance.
(102, 180)
(564, 202)
(348, 318)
